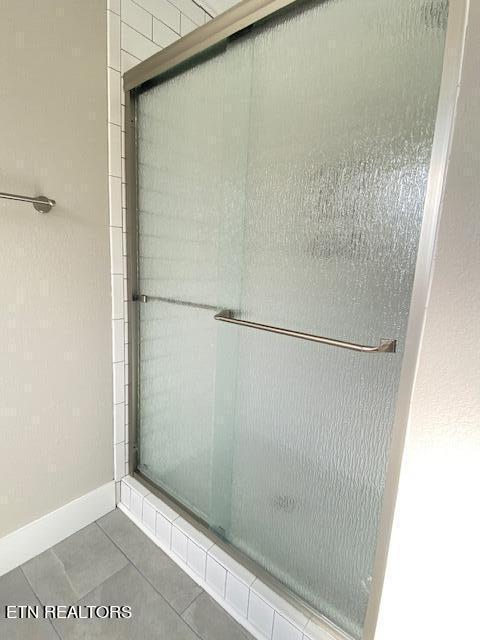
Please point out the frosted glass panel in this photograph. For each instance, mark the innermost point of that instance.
(180, 154)
(283, 177)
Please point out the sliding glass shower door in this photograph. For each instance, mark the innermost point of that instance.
(281, 178)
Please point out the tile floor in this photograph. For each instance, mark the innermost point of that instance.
(111, 562)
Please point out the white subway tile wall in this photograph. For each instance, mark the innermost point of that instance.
(236, 594)
(136, 17)
(118, 460)
(137, 44)
(127, 62)
(167, 12)
(162, 34)
(119, 423)
(192, 10)
(113, 96)
(193, 534)
(216, 576)
(313, 632)
(114, 5)
(136, 504)
(232, 565)
(118, 341)
(163, 531)
(113, 40)
(260, 614)
(285, 630)
(115, 197)
(286, 609)
(196, 559)
(186, 25)
(179, 543)
(136, 29)
(149, 516)
(260, 610)
(114, 150)
(116, 250)
(118, 382)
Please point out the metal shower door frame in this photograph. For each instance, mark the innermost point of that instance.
(241, 16)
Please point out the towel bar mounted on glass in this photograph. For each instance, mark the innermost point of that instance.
(385, 346)
(40, 203)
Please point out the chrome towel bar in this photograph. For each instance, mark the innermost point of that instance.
(40, 203)
(385, 346)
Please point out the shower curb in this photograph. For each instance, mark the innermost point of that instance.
(261, 611)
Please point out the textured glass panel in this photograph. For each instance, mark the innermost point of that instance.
(340, 139)
(180, 160)
(177, 357)
(284, 179)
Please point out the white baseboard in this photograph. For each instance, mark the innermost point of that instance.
(37, 536)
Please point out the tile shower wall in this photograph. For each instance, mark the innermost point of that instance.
(135, 31)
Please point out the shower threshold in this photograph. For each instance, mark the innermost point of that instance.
(261, 604)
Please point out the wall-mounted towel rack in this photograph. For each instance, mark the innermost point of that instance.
(385, 346)
(40, 203)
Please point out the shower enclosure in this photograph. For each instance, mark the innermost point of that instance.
(277, 179)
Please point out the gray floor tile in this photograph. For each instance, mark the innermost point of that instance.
(211, 622)
(14, 589)
(75, 566)
(169, 580)
(152, 618)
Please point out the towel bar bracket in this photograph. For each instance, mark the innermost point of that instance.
(40, 203)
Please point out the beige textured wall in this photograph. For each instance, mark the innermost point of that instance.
(55, 311)
(431, 585)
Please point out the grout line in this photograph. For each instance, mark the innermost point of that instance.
(231, 612)
(248, 601)
(145, 577)
(37, 597)
(137, 31)
(121, 74)
(195, 598)
(111, 576)
(175, 7)
(56, 631)
(225, 579)
(168, 27)
(203, 9)
(81, 597)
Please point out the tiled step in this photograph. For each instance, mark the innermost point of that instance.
(259, 609)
